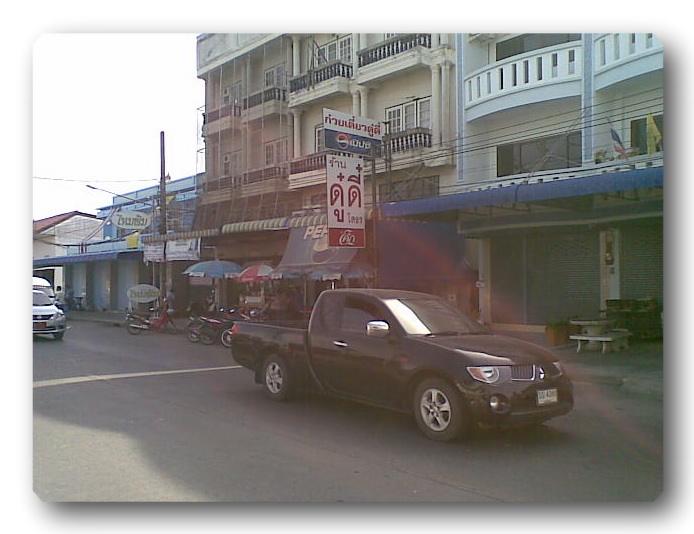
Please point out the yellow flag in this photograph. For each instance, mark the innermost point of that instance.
(653, 136)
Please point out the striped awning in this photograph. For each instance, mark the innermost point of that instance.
(192, 234)
(308, 220)
(278, 223)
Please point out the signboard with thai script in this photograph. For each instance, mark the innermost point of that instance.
(183, 249)
(143, 293)
(347, 133)
(131, 220)
(346, 213)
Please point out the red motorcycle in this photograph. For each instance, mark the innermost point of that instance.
(156, 319)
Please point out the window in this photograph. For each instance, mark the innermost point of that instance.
(276, 76)
(560, 152)
(232, 94)
(532, 41)
(357, 313)
(338, 49)
(319, 139)
(414, 114)
(276, 152)
(231, 163)
(639, 134)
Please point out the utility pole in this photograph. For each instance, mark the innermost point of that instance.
(165, 271)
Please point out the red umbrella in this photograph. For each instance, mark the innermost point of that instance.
(255, 273)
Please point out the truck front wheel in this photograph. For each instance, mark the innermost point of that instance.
(277, 380)
(440, 411)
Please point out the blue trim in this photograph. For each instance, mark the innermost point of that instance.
(570, 187)
(94, 256)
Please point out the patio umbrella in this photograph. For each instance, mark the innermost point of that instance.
(255, 273)
(214, 269)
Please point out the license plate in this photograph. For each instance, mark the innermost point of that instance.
(40, 326)
(547, 396)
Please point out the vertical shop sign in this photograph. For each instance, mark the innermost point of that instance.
(346, 213)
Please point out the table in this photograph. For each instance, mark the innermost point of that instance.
(592, 328)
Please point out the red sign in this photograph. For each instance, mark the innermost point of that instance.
(346, 213)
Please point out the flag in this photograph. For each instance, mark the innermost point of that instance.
(619, 147)
(653, 136)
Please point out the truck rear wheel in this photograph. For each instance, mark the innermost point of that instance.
(440, 411)
(276, 378)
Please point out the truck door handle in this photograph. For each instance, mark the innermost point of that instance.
(340, 344)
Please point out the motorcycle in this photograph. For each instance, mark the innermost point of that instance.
(208, 329)
(136, 323)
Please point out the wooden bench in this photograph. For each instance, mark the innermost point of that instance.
(616, 339)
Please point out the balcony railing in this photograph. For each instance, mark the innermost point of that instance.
(410, 139)
(229, 110)
(268, 95)
(393, 46)
(534, 69)
(321, 74)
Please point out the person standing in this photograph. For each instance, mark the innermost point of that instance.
(60, 298)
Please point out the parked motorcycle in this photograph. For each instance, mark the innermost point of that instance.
(156, 319)
(210, 328)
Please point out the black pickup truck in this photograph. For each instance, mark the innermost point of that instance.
(410, 352)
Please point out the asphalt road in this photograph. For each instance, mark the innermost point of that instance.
(156, 418)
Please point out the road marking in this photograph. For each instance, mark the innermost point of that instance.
(92, 378)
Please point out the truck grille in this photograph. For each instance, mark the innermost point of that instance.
(43, 317)
(523, 372)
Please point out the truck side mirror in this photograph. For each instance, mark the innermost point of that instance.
(377, 329)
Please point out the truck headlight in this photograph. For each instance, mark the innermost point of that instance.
(489, 374)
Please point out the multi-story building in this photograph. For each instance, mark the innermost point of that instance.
(543, 151)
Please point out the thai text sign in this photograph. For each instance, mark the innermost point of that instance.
(143, 293)
(131, 220)
(346, 213)
(347, 133)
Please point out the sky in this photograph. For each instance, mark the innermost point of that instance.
(100, 102)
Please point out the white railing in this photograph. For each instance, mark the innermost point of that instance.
(551, 65)
(614, 48)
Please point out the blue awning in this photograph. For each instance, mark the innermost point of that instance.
(511, 194)
(132, 255)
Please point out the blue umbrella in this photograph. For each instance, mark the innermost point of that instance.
(214, 269)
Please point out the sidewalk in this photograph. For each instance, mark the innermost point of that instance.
(637, 369)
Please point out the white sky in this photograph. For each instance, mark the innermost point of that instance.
(100, 102)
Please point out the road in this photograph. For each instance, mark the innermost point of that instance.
(156, 418)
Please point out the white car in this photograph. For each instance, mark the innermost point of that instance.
(48, 319)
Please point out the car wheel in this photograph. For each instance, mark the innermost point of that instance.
(277, 380)
(226, 338)
(440, 411)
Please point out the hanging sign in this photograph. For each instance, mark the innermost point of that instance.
(131, 220)
(347, 133)
(183, 249)
(143, 293)
(346, 213)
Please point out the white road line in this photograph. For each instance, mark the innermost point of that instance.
(92, 378)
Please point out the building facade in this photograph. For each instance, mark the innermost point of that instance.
(544, 150)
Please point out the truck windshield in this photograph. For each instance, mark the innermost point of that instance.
(432, 316)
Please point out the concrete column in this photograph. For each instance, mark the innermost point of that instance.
(364, 105)
(295, 69)
(296, 129)
(356, 101)
(445, 102)
(436, 105)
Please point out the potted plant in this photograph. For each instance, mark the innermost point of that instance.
(557, 332)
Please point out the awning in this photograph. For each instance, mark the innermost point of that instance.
(278, 223)
(511, 194)
(191, 234)
(130, 255)
(308, 254)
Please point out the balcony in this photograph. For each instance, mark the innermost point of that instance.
(225, 118)
(394, 55)
(410, 139)
(269, 102)
(326, 81)
(537, 76)
(271, 179)
(624, 56)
